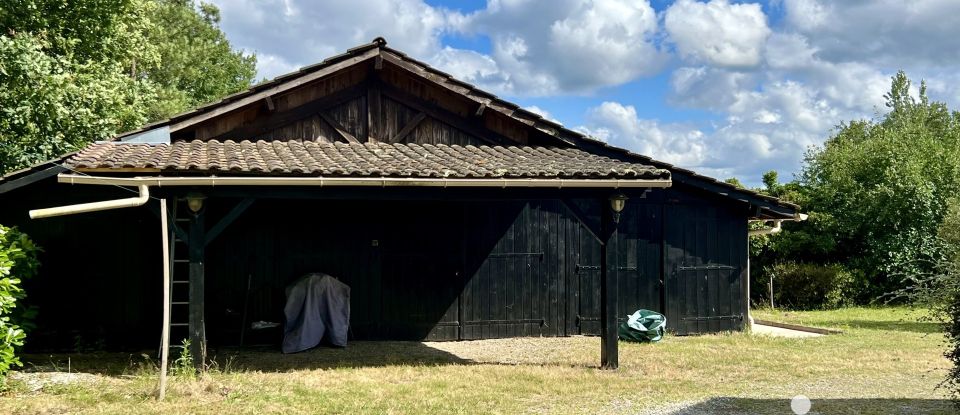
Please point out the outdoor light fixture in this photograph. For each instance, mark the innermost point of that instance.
(195, 201)
(617, 202)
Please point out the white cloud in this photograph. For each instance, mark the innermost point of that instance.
(770, 86)
(807, 15)
(619, 125)
(472, 67)
(892, 33)
(718, 33)
(269, 65)
(541, 112)
(708, 88)
(538, 48)
(567, 46)
(302, 32)
(763, 130)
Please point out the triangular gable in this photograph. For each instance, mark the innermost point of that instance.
(334, 99)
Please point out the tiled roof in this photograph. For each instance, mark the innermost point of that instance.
(309, 158)
(512, 110)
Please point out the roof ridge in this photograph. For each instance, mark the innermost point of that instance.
(512, 110)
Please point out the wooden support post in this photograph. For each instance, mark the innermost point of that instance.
(198, 335)
(608, 290)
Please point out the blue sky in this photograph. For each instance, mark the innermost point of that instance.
(727, 88)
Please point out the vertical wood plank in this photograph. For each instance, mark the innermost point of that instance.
(374, 112)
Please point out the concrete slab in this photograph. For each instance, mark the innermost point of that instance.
(781, 332)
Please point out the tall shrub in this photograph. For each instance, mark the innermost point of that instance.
(18, 261)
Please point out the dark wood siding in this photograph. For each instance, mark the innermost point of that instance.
(99, 281)
(439, 270)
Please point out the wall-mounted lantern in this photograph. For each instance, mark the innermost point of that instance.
(617, 202)
(195, 201)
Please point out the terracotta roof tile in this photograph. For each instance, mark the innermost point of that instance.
(308, 158)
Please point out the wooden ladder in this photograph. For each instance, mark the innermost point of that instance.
(179, 276)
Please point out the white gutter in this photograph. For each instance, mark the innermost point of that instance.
(95, 206)
(364, 182)
(144, 182)
(766, 231)
(799, 217)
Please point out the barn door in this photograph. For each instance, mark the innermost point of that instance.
(705, 261)
(637, 244)
(513, 287)
(420, 256)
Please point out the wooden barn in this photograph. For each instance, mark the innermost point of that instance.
(451, 214)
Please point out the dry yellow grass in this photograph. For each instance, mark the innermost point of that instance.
(883, 363)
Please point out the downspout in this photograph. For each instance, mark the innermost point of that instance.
(766, 231)
(140, 200)
(799, 217)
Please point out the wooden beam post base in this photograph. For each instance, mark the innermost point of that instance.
(609, 359)
(197, 324)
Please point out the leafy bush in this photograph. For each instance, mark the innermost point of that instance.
(18, 261)
(884, 184)
(812, 286)
(940, 292)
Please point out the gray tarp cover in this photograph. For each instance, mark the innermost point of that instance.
(317, 304)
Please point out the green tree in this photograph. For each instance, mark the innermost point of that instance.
(83, 70)
(886, 185)
(876, 192)
(735, 182)
(50, 105)
(197, 64)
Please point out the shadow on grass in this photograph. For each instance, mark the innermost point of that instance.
(265, 359)
(908, 326)
(357, 354)
(744, 406)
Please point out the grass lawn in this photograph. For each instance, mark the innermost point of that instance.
(884, 362)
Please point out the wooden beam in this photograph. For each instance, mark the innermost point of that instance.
(231, 216)
(609, 284)
(480, 109)
(279, 119)
(392, 193)
(378, 62)
(582, 217)
(338, 127)
(31, 178)
(374, 112)
(408, 128)
(435, 111)
(197, 320)
(281, 87)
(270, 106)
